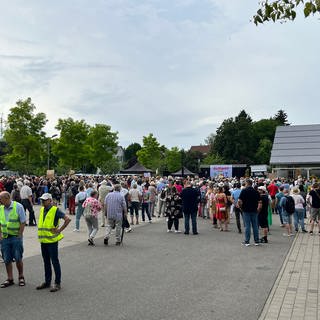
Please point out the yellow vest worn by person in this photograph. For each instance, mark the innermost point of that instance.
(12, 226)
(45, 226)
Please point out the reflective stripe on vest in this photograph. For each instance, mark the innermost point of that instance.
(12, 226)
(45, 226)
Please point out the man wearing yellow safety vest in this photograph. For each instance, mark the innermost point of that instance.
(12, 222)
(49, 234)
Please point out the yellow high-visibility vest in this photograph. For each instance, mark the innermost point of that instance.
(12, 226)
(45, 226)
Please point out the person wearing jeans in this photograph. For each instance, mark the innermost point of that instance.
(49, 235)
(250, 203)
(279, 195)
(79, 200)
(251, 221)
(116, 211)
(298, 215)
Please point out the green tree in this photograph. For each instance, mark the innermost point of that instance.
(173, 159)
(112, 166)
(234, 140)
(284, 10)
(26, 141)
(102, 145)
(150, 153)
(72, 148)
(3, 147)
(130, 154)
(264, 151)
(282, 118)
(213, 159)
(263, 134)
(192, 160)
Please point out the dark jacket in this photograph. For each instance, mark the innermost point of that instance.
(190, 199)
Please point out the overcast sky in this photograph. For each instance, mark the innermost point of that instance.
(174, 68)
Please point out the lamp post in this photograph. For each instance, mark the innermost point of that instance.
(182, 163)
(55, 135)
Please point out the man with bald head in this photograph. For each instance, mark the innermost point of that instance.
(12, 223)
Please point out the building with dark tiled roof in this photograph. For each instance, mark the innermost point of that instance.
(203, 149)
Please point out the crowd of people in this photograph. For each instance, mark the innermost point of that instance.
(120, 202)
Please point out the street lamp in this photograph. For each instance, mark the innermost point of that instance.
(182, 163)
(55, 135)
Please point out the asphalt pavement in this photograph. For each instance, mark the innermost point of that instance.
(154, 275)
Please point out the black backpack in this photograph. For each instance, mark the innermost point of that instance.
(289, 205)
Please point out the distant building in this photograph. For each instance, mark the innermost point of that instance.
(296, 151)
(202, 149)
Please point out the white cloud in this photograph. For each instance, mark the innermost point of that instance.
(176, 69)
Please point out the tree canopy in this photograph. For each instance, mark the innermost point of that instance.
(130, 154)
(78, 147)
(85, 148)
(25, 138)
(150, 153)
(285, 10)
(241, 140)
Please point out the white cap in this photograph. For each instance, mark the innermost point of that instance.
(46, 196)
(262, 188)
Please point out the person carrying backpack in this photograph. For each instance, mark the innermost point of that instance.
(288, 207)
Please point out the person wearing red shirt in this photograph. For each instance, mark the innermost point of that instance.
(273, 190)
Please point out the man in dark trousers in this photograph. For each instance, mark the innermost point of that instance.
(49, 235)
(190, 200)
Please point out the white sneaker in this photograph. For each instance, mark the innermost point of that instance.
(177, 231)
(76, 230)
(128, 230)
(169, 230)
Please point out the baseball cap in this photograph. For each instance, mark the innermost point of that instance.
(46, 196)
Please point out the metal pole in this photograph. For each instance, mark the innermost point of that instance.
(49, 155)
(48, 164)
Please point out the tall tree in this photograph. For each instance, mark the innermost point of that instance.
(192, 160)
(281, 117)
(173, 159)
(150, 153)
(71, 147)
(264, 151)
(102, 144)
(284, 10)
(130, 154)
(234, 140)
(25, 138)
(112, 166)
(263, 134)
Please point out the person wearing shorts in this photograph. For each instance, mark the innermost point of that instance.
(12, 223)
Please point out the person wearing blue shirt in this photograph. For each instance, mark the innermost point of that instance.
(235, 196)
